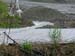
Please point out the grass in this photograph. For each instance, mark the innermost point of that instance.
(55, 35)
(43, 49)
(27, 46)
(62, 50)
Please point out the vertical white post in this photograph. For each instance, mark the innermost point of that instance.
(19, 11)
(17, 4)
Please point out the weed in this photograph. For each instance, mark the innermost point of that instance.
(55, 35)
(27, 46)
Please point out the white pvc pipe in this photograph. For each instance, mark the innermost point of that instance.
(17, 4)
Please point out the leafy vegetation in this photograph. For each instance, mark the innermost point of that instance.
(3, 9)
(55, 35)
(27, 46)
(72, 24)
(7, 21)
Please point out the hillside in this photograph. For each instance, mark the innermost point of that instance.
(54, 1)
(44, 14)
(41, 13)
(48, 1)
(51, 15)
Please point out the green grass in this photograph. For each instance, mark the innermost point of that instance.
(27, 46)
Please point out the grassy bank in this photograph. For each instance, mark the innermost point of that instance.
(40, 49)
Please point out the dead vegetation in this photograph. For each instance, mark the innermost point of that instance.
(39, 50)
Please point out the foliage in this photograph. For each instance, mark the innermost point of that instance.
(3, 9)
(71, 24)
(27, 46)
(55, 35)
(27, 22)
(10, 22)
(6, 20)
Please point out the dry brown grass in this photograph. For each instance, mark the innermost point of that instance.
(40, 50)
(7, 50)
(62, 49)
